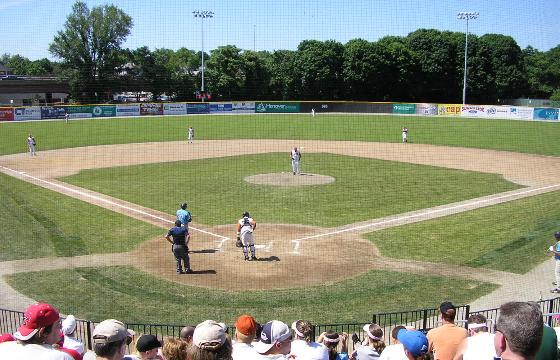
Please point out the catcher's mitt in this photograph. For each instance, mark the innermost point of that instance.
(238, 243)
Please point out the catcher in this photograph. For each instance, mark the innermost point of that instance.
(245, 227)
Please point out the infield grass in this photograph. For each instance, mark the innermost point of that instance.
(217, 194)
(521, 136)
(132, 296)
(512, 237)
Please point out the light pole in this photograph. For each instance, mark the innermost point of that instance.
(466, 16)
(202, 14)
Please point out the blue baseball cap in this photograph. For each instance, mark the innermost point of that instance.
(414, 341)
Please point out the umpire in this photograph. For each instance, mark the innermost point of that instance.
(179, 237)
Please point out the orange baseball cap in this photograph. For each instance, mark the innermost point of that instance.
(246, 324)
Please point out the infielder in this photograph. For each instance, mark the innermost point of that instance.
(296, 157)
(190, 135)
(31, 145)
(245, 227)
(555, 249)
(404, 134)
(184, 216)
(313, 112)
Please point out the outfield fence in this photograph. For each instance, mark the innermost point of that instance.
(421, 319)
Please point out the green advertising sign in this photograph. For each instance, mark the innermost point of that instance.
(104, 110)
(277, 107)
(404, 108)
(78, 109)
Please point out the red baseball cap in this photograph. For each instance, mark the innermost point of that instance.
(6, 337)
(36, 316)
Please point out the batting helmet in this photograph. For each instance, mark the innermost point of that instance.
(184, 206)
(557, 234)
(246, 214)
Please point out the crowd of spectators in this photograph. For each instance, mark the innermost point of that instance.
(518, 333)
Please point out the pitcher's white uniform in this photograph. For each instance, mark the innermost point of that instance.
(296, 157)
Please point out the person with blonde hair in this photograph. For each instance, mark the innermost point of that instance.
(374, 345)
(175, 349)
(303, 347)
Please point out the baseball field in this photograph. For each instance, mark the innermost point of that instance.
(371, 225)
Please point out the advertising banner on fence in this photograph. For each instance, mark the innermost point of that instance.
(277, 108)
(104, 111)
(174, 109)
(151, 109)
(473, 111)
(52, 112)
(202, 108)
(243, 107)
(520, 113)
(128, 110)
(426, 109)
(214, 108)
(497, 112)
(79, 112)
(6, 114)
(545, 114)
(404, 108)
(28, 113)
(449, 109)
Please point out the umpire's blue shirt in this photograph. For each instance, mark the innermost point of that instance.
(178, 234)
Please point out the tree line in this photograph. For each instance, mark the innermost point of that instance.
(424, 66)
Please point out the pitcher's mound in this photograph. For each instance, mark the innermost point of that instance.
(288, 179)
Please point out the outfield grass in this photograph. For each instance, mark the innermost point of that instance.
(217, 194)
(521, 136)
(511, 237)
(127, 294)
(36, 222)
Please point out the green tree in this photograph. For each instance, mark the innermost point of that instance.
(90, 49)
(361, 67)
(543, 71)
(256, 75)
(225, 75)
(283, 78)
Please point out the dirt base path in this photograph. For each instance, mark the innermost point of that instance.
(285, 251)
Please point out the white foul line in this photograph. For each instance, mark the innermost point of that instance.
(112, 203)
(429, 212)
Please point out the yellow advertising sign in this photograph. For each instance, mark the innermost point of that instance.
(449, 109)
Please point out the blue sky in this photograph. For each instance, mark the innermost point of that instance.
(28, 26)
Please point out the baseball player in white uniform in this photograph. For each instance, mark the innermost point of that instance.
(296, 157)
(245, 227)
(404, 134)
(31, 143)
(190, 135)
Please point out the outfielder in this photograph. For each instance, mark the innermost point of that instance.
(555, 249)
(404, 134)
(296, 157)
(190, 134)
(245, 227)
(31, 143)
(184, 216)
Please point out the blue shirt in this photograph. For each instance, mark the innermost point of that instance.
(557, 248)
(178, 234)
(184, 217)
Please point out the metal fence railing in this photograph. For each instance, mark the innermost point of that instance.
(421, 319)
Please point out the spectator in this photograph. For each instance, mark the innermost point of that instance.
(245, 328)
(186, 334)
(109, 340)
(175, 349)
(210, 342)
(374, 344)
(303, 347)
(548, 349)
(276, 341)
(444, 340)
(480, 343)
(331, 340)
(36, 335)
(70, 340)
(73, 353)
(395, 351)
(7, 337)
(519, 331)
(415, 343)
(148, 346)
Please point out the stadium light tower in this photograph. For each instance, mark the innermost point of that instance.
(202, 14)
(466, 16)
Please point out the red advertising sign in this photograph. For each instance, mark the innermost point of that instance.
(6, 114)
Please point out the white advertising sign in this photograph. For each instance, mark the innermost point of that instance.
(27, 113)
(174, 109)
(520, 113)
(128, 110)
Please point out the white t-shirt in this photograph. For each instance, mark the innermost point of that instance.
(13, 350)
(480, 347)
(73, 343)
(364, 352)
(393, 352)
(309, 351)
(242, 351)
